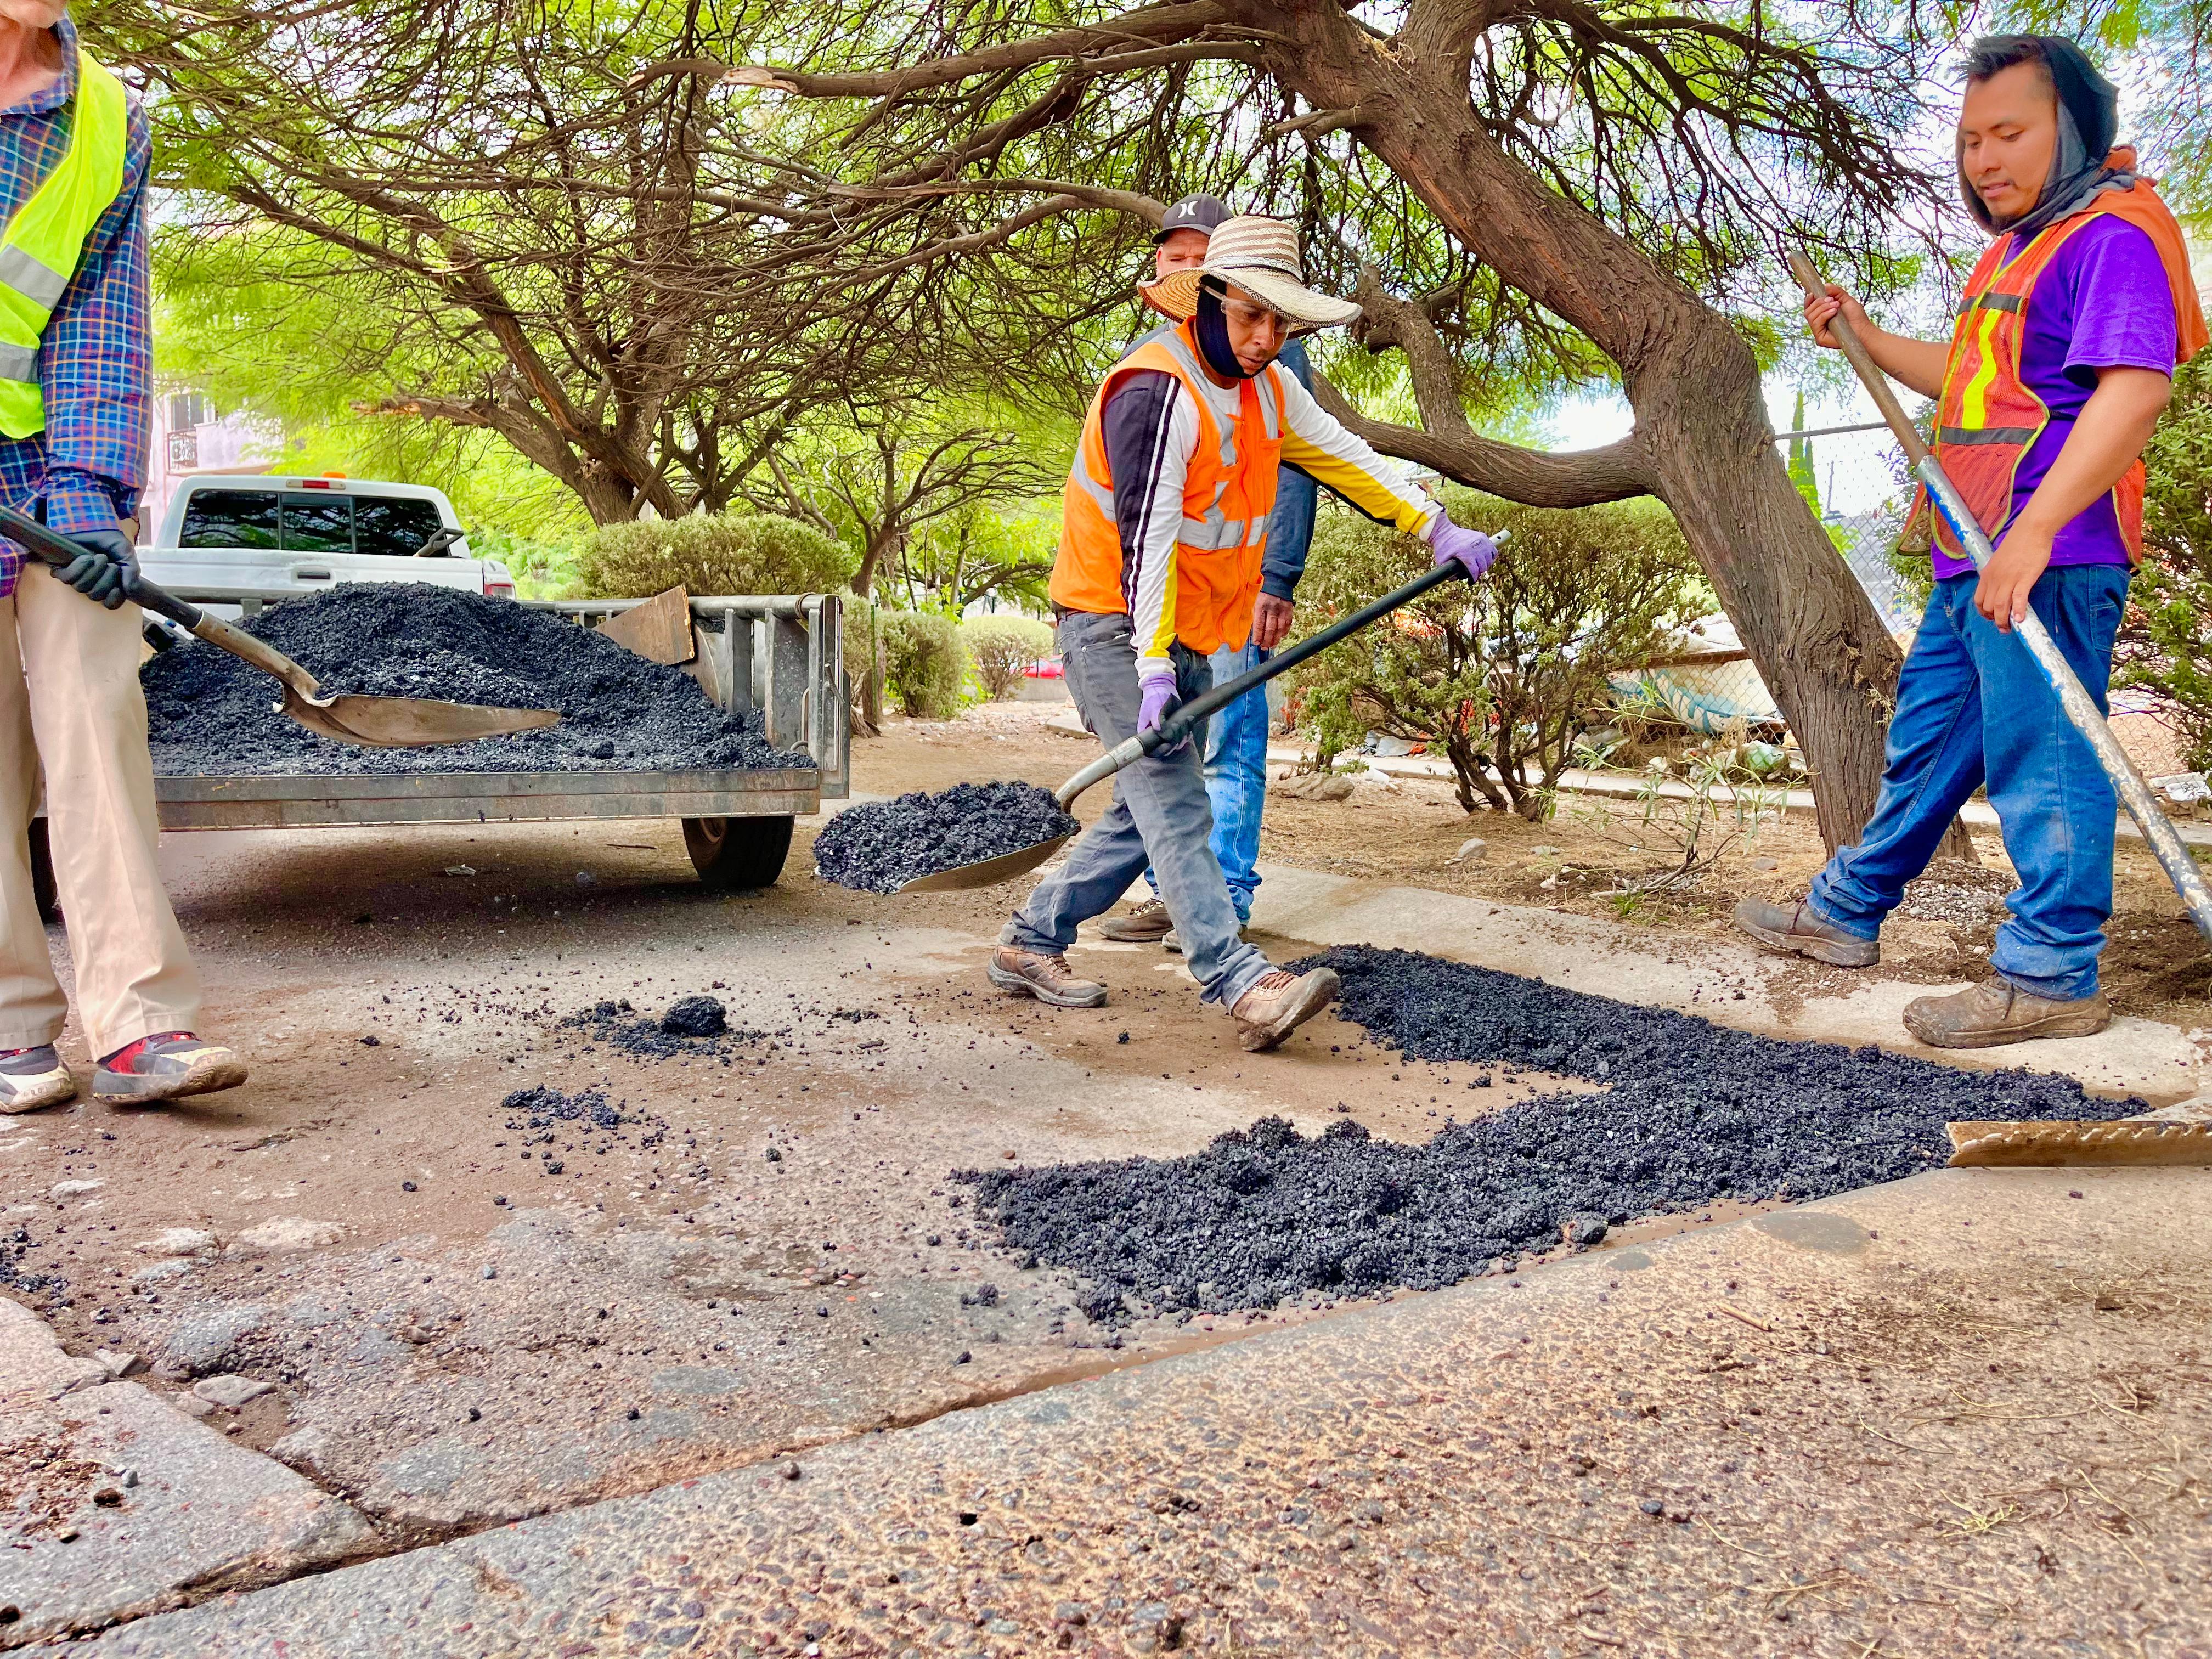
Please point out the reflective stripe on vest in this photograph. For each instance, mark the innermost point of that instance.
(40, 248)
(1228, 490)
(1988, 416)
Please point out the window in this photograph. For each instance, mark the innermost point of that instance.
(188, 409)
(229, 517)
(393, 526)
(321, 523)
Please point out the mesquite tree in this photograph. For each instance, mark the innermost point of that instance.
(1597, 172)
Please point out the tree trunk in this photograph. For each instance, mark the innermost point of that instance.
(1690, 376)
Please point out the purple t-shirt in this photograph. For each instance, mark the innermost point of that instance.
(2102, 302)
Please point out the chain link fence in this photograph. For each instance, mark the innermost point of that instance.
(1854, 478)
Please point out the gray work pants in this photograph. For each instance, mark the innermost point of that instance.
(1160, 815)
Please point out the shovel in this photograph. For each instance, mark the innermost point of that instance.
(1005, 866)
(376, 722)
(2073, 699)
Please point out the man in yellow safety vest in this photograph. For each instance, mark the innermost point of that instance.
(74, 371)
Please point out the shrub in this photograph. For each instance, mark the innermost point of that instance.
(1498, 675)
(2163, 645)
(1000, 650)
(712, 553)
(922, 662)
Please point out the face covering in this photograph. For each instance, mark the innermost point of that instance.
(1211, 328)
(2085, 162)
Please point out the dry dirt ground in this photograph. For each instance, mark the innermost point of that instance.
(470, 1315)
(1409, 831)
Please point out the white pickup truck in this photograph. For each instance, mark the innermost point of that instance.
(280, 535)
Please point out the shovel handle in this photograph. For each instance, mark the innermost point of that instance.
(51, 547)
(1178, 726)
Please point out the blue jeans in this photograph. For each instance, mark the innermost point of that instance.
(1237, 777)
(1160, 815)
(1972, 708)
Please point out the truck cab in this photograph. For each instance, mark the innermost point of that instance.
(279, 535)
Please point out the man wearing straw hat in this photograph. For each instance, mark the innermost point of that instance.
(1236, 738)
(1161, 540)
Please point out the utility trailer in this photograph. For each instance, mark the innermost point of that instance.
(782, 654)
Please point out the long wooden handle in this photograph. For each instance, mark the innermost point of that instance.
(2073, 699)
(1870, 374)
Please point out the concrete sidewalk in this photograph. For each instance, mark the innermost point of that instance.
(1962, 1414)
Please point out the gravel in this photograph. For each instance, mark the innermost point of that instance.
(879, 845)
(1695, 1114)
(692, 1025)
(209, 715)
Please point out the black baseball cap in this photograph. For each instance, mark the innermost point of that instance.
(1205, 213)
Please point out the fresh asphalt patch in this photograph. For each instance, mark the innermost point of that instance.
(1692, 1114)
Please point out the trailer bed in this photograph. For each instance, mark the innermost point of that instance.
(296, 801)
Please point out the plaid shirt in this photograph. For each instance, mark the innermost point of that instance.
(95, 359)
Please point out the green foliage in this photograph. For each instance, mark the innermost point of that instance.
(982, 549)
(923, 662)
(711, 553)
(2166, 642)
(1498, 676)
(1800, 461)
(1001, 649)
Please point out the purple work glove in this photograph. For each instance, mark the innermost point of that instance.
(1159, 701)
(1470, 550)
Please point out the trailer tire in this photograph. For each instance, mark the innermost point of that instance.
(42, 874)
(733, 854)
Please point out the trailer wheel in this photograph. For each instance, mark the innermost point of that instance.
(42, 873)
(731, 854)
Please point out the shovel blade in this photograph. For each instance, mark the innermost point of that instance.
(410, 722)
(985, 872)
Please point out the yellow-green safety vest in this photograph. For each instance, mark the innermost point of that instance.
(43, 242)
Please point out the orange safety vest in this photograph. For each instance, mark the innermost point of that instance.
(1988, 416)
(1228, 491)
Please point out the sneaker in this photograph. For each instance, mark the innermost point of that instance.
(1795, 927)
(32, 1078)
(1281, 1003)
(1993, 1014)
(1048, 979)
(1142, 925)
(166, 1065)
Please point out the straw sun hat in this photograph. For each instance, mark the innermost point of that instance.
(1260, 256)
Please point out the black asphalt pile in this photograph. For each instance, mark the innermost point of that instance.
(208, 714)
(692, 1025)
(548, 1118)
(1694, 1114)
(879, 845)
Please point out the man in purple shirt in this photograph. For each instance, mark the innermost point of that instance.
(73, 390)
(2060, 365)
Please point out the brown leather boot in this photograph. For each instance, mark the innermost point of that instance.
(1998, 1012)
(1048, 979)
(1280, 1002)
(1795, 927)
(1145, 925)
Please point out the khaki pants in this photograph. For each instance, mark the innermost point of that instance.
(70, 698)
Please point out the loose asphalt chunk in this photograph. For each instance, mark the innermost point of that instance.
(878, 845)
(1692, 1114)
(208, 714)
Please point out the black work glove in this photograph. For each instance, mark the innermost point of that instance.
(105, 570)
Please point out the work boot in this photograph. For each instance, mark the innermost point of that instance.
(32, 1078)
(167, 1065)
(1998, 1012)
(1048, 979)
(1142, 925)
(1281, 1002)
(1796, 927)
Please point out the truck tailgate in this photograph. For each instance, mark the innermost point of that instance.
(267, 569)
